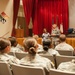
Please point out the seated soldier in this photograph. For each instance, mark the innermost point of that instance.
(5, 47)
(15, 47)
(47, 46)
(40, 47)
(33, 59)
(63, 45)
(68, 66)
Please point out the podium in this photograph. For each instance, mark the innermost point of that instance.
(19, 33)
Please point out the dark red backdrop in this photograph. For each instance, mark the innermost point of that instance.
(16, 4)
(46, 12)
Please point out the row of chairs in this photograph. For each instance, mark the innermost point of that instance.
(55, 59)
(59, 59)
(27, 70)
(61, 52)
(64, 52)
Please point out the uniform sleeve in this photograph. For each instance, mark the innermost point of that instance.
(57, 53)
(57, 47)
(14, 60)
(42, 35)
(50, 65)
(71, 48)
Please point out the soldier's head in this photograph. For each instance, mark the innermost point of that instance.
(13, 41)
(44, 30)
(5, 45)
(62, 38)
(30, 45)
(46, 44)
(54, 26)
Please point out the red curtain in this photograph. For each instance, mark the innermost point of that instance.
(16, 4)
(46, 12)
(28, 8)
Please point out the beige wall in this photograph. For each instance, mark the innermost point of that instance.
(71, 13)
(7, 7)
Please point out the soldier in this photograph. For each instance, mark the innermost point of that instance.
(34, 59)
(5, 47)
(45, 34)
(63, 45)
(55, 34)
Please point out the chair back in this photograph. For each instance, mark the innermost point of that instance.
(60, 59)
(50, 57)
(66, 52)
(20, 55)
(12, 53)
(27, 70)
(57, 72)
(5, 69)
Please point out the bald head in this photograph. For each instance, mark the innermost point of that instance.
(62, 37)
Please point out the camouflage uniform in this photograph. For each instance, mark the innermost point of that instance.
(55, 38)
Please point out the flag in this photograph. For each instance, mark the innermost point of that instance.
(52, 19)
(57, 19)
(4, 15)
(61, 28)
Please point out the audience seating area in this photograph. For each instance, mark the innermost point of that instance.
(55, 59)
(26, 70)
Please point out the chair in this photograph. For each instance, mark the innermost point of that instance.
(73, 42)
(66, 52)
(69, 41)
(12, 53)
(20, 40)
(39, 40)
(27, 70)
(52, 58)
(57, 72)
(5, 69)
(48, 56)
(60, 59)
(20, 55)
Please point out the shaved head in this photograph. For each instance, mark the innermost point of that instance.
(62, 37)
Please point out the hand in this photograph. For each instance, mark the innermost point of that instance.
(53, 34)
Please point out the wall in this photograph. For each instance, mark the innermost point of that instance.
(7, 7)
(72, 14)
